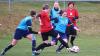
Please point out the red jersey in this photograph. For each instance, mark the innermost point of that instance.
(71, 13)
(45, 24)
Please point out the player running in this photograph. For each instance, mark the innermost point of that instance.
(23, 30)
(72, 14)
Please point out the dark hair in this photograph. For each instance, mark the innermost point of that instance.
(71, 3)
(32, 13)
(46, 6)
(61, 12)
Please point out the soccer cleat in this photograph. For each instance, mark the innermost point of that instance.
(70, 50)
(58, 51)
(2, 53)
(36, 53)
(33, 53)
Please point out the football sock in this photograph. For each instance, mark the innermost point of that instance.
(60, 47)
(72, 40)
(42, 46)
(33, 45)
(49, 44)
(56, 42)
(6, 49)
(63, 42)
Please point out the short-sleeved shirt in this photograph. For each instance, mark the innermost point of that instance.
(62, 24)
(24, 23)
(45, 24)
(71, 14)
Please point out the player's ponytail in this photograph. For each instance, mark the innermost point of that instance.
(32, 13)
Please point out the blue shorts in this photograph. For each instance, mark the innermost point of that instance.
(20, 33)
(62, 35)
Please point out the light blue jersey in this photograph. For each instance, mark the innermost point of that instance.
(24, 23)
(62, 24)
(54, 14)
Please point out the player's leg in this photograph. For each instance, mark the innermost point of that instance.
(64, 42)
(54, 41)
(45, 41)
(17, 36)
(42, 45)
(32, 38)
(29, 37)
(12, 44)
(73, 37)
(55, 34)
(60, 47)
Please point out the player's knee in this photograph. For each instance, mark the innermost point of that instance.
(65, 40)
(14, 42)
(52, 43)
(74, 35)
(29, 37)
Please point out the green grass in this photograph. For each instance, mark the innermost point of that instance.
(88, 39)
(89, 46)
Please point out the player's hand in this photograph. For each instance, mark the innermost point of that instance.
(76, 28)
(0, 24)
(39, 32)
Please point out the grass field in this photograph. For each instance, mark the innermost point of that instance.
(88, 39)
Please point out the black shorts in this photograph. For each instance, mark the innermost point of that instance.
(52, 33)
(71, 31)
(20, 33)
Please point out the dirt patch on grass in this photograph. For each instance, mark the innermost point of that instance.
(90, 23)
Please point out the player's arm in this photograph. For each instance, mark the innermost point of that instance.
(72, 25)
(38, 15)
(51, 14)
(29, 24)
(76, 18)
(30, 30)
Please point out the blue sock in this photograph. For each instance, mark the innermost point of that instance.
(33, 45)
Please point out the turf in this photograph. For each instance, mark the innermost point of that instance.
(89, 46)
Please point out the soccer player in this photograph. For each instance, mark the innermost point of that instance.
(23, 30)
(54, 13)
(72, 14)
(47, 30)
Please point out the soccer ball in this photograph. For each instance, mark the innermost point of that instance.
(75, 49)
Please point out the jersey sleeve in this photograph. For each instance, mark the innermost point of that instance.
(29, 23)
(76, 14)
(69, 22)
(51, 14)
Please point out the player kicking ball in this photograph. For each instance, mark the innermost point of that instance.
(73, 16)
(23, 30)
